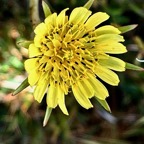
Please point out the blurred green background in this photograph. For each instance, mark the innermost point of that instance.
(21, 117)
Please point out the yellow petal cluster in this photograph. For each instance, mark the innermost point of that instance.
(70, 53)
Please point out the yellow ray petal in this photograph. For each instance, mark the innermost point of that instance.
(52, 96)
(64, 87)
(34, 51)
(107, 75)
(50, 45)
(61, 101)
(81, 98)
(56, 43)
(100, 90)
(114, 48)
(86, 88)
(31, 64)
(109, 38)
(40, 90)
(108, 29)
(95, 20)
(79, 33)
(41, 29)
(61, 18)
(56, 73)
(79, 15)
(100, 55)
(33, 77)
(51, 20)
(38, 40)
(49, 53)
(113, 63)
(44, 77)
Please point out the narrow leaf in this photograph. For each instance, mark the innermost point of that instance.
(133, 67)
(104, 104)
(47, 115)
(88, 4)
(46, 9)
(127, 28)
(23, 85)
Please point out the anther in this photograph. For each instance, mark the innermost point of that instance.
(46, 37)
(83, 63)
(45, 45)
(73, 68)
(44, 65)
(90, 60)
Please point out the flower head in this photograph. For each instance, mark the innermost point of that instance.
(70, 53)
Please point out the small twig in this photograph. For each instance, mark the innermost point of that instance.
(34, 12)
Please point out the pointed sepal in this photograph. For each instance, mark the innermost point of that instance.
(23, 85)
(88, 4)
(133, 67)
(104, 104)
(127, 28)
(46, 9)
(47, 116)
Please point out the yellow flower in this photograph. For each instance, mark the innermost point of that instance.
(70, 53)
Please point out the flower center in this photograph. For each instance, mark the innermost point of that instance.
(64, 56)
(68, 55)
